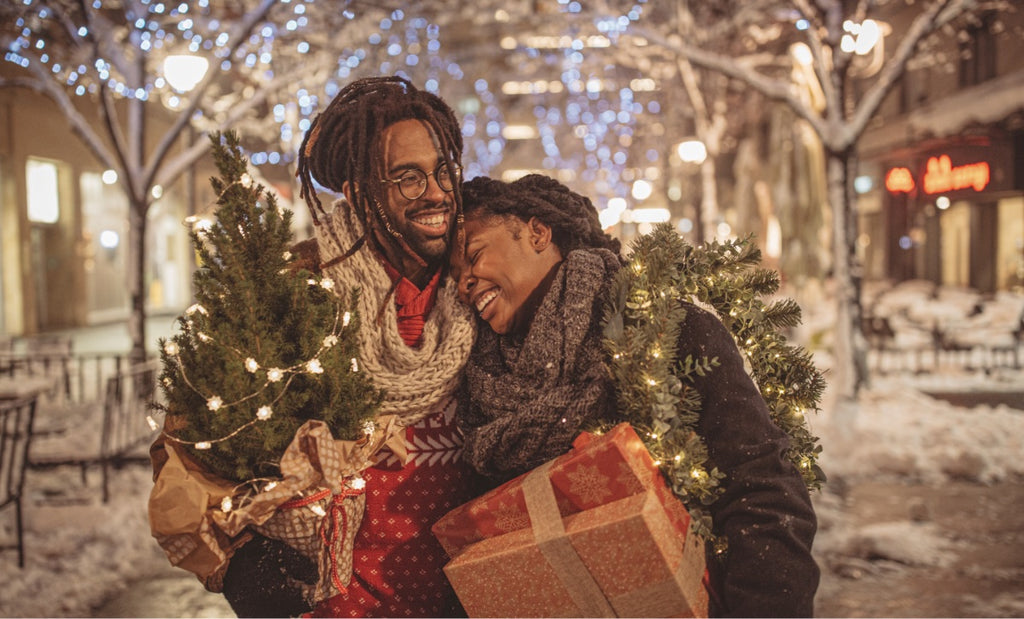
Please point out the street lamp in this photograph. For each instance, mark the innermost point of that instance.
(692, 151)
(183, 71)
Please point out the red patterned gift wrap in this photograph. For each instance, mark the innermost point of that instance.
(593, 533)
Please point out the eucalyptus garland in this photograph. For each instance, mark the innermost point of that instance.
(654, 388)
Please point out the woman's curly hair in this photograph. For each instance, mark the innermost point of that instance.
(572, 217)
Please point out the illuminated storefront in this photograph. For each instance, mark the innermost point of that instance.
(954, 212)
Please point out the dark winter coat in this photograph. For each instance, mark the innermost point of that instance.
(765, 512)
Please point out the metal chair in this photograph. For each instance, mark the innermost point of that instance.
(16, 419)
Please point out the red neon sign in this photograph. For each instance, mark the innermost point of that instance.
(941, 176)
(899, 179)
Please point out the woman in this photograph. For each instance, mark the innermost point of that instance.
(536, 269)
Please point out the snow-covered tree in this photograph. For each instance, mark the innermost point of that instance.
(270, 65)
(823, 36)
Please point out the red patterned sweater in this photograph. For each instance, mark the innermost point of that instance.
(397, 562)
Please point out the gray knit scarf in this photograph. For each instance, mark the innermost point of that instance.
(416, 381)
(526, 397)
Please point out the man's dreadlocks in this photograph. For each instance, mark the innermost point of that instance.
(343, 145)
(572, 217)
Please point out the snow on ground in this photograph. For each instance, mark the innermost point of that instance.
(81, 552)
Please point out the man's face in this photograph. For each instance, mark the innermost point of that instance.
(423, 222)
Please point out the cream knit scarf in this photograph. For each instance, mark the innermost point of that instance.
(417, 381)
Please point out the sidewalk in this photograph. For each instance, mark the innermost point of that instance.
(175, 593)
(113, 336)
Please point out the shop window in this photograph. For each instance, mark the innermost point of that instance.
(978, 53)
(43, 191)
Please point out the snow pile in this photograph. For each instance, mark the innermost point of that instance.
(79, 551)
(909, 543)
(896, 430)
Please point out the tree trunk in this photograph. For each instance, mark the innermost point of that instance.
(136, 276)
(709, 199)
(849, 347)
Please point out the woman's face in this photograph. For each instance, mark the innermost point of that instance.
(505, 263)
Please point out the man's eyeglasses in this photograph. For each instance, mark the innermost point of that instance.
(412, 184)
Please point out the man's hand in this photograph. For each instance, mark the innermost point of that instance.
(260, 580)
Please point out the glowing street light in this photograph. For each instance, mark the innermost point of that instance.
(692, 151)
(642, 189)
(183, 71)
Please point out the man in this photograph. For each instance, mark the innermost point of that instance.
(394, 152)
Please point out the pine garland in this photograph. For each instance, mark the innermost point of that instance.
(654, 388)
(267, 346)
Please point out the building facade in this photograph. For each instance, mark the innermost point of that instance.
(943, 164)
(64, 227)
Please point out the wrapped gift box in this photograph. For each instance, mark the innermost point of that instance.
(607, 538)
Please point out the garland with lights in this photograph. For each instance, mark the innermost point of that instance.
(642, 324)
(266, 347)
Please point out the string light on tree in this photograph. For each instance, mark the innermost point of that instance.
(265, 347)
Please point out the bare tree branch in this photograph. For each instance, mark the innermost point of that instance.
(936, 15)
(238, 36)
(772, 88)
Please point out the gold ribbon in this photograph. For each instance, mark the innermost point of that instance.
(554, 544)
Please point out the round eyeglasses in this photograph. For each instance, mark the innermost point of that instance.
(412, 184)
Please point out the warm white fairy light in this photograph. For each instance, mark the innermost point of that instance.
(203, 337)
(287, 256)
(318, 510)
(195, 307)
(357, 483)
(252, 365)
(369, 427)
(226, 505)
(327, 283)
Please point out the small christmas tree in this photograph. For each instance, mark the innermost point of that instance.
(642, 325)
(266, 346)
